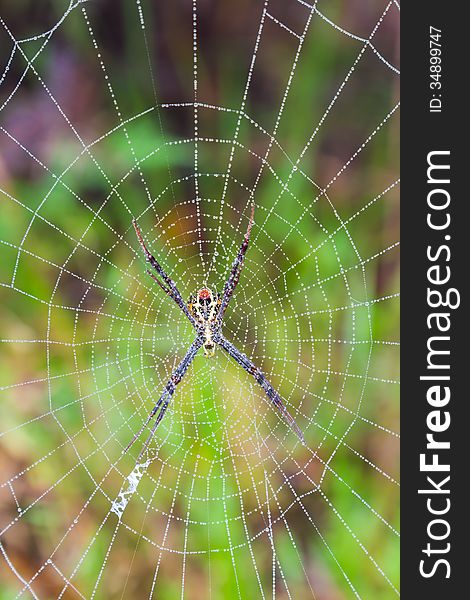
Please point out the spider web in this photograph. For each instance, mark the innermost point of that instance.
(181, 115)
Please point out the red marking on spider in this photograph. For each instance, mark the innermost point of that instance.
(204, 294)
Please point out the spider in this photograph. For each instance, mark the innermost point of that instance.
(205, 310)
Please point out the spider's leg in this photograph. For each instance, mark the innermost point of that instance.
(260, 378)
(155, 278)
(165, 398)
(237, 266)
(170, 287)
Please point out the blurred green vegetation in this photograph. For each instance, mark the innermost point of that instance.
(90, 341)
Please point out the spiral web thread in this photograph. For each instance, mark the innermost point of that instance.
(226, 502)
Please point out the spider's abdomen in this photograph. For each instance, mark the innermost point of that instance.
(209, 346)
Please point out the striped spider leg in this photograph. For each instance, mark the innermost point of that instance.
(236, 269)
(168, 392)
(260, 378)
(170, 287)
